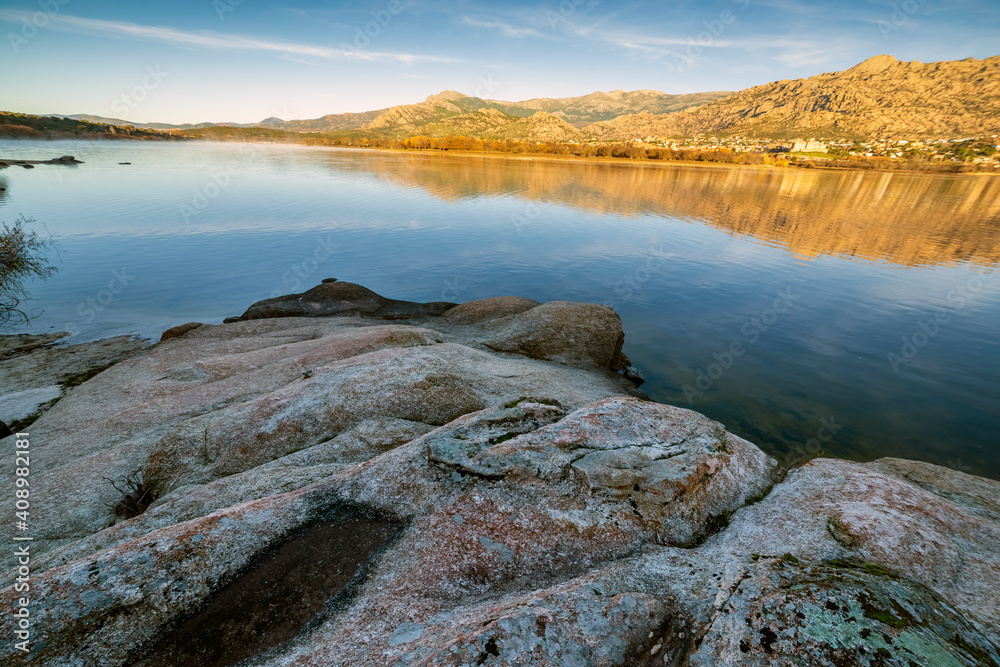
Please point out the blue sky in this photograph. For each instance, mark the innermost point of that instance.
(245, 60)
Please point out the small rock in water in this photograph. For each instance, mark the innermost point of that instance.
(28, 166)
(634, 375)
(124, 163)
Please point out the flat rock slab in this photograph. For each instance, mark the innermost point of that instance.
(19, 405)
(469, 485)
(31, 362)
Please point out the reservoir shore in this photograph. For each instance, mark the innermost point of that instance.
(337, 477)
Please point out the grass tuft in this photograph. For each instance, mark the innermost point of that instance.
(137, 493)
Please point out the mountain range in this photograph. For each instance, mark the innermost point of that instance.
(451, 112)
(880, 98)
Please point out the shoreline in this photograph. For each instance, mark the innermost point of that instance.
(476, 472)
(628, 161)
(535, 157)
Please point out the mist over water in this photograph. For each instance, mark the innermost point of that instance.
(851, 313)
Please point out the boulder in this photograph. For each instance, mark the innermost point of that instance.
(576, 334)
(341, 298)
(789, 613)
(932, 525)
(673, 468)
(179, 330)
(484, 310)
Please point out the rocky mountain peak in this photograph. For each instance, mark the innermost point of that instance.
(447, 96)
(873, 65)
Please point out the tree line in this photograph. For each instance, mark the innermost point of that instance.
(625, 151)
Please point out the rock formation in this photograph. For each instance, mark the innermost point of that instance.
(881, 97)
(473, 484)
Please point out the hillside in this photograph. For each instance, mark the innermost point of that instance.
(879, 98)
(487, 123)
(329, 123)
(28, 126)
(586, 109)
(120, 122)
(448, 111)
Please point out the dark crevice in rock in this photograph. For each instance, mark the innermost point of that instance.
(720, 610)
(483, 476)
(489, 649)
(719, 522)
(289, 590)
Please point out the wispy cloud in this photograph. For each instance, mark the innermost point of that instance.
(667, 46)
(218, 40)
(506, 29)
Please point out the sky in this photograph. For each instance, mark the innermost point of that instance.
(246, 60)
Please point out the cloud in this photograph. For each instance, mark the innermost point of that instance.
(506, 29)
(658, 47)
(218, 40)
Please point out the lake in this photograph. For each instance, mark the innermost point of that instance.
(851, 313)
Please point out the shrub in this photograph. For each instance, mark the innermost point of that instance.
(22, 257)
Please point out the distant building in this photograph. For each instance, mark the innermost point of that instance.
(811, 146)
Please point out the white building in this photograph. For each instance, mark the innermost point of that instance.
(811, 146)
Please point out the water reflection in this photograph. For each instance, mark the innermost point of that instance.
(905, 219)
(430, 227)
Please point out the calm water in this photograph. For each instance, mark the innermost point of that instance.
(812, 279)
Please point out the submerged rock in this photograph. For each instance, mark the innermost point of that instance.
(634, 375)
(473, 484)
